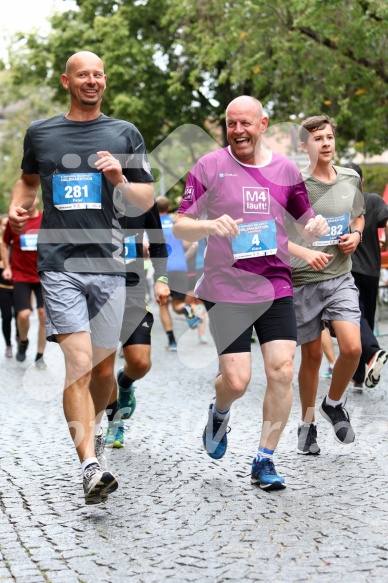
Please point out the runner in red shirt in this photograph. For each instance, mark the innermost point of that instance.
(22, 271)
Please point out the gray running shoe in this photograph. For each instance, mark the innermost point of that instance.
(307, 440)
(98, 484)
(99, 448)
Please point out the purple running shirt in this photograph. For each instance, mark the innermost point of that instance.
(254, 267)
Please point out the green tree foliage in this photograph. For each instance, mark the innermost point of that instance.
(19, 108)
(173, 62)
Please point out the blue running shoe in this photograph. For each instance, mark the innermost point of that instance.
(264, 474)
(172, 347)
(126, 398)
(214, 436)
(327, 374)
(192, 320)
(115, 434)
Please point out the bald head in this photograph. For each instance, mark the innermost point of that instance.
(81, 59)
(245, 123)
(245, 103)
(85, 80)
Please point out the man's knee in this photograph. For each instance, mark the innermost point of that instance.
(23, 315)
(281, 372)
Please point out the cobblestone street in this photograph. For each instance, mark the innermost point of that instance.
(179, 516)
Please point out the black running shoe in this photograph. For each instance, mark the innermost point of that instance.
(22, 349)
(339, 418)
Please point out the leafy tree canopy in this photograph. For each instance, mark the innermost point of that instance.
(175, 62)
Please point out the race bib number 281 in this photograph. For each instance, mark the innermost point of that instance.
(77, 191)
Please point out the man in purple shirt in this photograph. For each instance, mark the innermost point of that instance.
(238, 198)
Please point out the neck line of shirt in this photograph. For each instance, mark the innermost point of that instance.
(251, 165)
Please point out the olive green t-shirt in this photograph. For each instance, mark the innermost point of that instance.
(340, 202)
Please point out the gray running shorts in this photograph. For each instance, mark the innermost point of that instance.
(84, 302)
(318, 304)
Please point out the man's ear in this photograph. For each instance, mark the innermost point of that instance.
(64, 81)
(303, 146)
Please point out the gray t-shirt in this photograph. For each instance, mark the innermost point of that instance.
(340, 202)
(80, 229)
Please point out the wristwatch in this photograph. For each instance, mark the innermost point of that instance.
(359, 232)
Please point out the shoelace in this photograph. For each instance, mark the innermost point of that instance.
(311, 435)
(268, 466)
(217, 424)
(90, 471)
(343, 414)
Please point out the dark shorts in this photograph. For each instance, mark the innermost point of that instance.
(22, 295)
(231, 325)
(178, 284)
(137, 324)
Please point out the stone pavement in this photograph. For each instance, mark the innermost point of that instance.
(179, 516)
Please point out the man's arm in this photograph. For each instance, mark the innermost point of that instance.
(139, 194)
(22, 198)
(7, 271)
(351, 240)
(317, 260)
(314, 229)
(191, 229)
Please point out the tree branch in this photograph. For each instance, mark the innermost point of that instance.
(380, 72)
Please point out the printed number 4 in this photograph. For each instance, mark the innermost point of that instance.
(76, 191)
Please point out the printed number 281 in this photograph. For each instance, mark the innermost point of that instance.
(76, 191)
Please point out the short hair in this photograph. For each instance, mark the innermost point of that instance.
(163, 204)
(355, 167)
(314, 123)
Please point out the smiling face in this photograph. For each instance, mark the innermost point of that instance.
(245, 123)
(85, 80)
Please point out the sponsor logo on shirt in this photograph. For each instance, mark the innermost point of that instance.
(256, 199)
(222, 175)
(188, 194)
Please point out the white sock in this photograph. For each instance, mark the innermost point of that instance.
(304, 424)
(97, 429)
(331, 402)
(87, 462)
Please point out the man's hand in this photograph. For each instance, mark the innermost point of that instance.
(18, 217)
(110, 167)
(224, 226)
(349, 243)
(317, 260)
(7, 273)
(161, 293)
(317, 227)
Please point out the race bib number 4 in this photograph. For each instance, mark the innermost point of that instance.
(255, 240)
(77, 191)
(338, 226)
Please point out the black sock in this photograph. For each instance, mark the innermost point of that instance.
(171, 337)
(38, 356)
(125, 382)
(111, 410)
